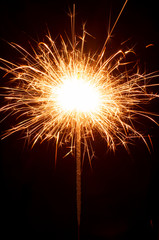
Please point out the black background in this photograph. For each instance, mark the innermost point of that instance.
(120, 191)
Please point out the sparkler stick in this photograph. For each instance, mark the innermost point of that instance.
(78, 142)
(78, 174)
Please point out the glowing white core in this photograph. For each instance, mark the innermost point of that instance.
(77, 95)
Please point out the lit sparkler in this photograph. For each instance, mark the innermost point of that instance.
(66, 94)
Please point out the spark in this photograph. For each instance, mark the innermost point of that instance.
(66, 94)
(54, 89)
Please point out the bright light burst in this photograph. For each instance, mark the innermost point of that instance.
(78, 94)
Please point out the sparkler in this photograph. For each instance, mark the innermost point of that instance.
(66, 94)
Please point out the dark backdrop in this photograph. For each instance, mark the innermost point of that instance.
(120, 191)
